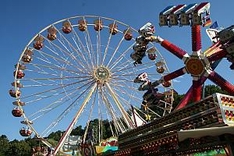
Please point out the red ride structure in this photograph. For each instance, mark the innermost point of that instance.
(199, 65)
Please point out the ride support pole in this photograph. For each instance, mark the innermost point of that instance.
(196, 38)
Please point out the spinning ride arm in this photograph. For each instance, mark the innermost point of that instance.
(180, 53)
(217, 55)
(215, 52)
(174, 74)
(220, 81)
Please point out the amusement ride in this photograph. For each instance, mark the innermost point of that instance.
(80, 69)
(90, 67)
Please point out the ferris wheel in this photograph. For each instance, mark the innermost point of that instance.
(80, 69)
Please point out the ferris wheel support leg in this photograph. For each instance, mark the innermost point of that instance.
(196, 38)
(72, 124)
(173, 49)
(120, 107)
(220, 81)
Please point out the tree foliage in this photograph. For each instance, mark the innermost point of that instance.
(56, 135)
(4, 144)
(18, 148)
(211, 89)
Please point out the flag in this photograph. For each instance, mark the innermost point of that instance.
(207, 22)
(138, 120)
(214, 25)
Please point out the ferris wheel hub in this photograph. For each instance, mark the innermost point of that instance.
(102, 74)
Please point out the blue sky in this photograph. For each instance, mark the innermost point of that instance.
(21, 20)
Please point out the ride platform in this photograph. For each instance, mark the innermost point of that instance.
(199, 127)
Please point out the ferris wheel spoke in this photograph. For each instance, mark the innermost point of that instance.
(123, 112)
(120, 58)
(79, 44)
(55, 69)
(123, 76)
(110, 111)
(56, 78)
(78, 60)
(45, 71)
(98, 44)
(137, 100)
(66, 98)
(45, 58)
(48, 108)
(126, 69)
(53, 90)
(119, 127)
(107, 47)
(121, 80)
(59, 60)
(69, 108)
(124, 66)
(123, 83)
(126, 102)
(89, 47)
(67, 94)
(90, 114)
(77, 50)
(107, 97)
(60, 73)
(114, 53)
(64, 50)
(42, 82)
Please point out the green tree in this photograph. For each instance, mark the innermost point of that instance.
(19, 148)
(4, 144)
(78, 131)
(211, 89)
(56, 135)
(177, 99)
(106, 129)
